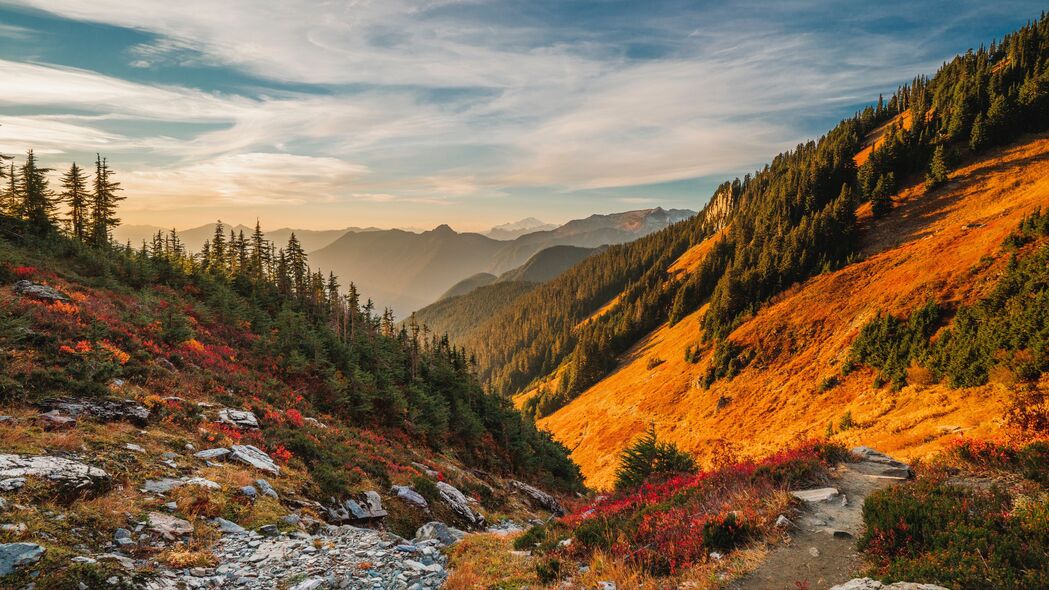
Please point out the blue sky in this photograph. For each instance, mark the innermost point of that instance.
(393, 113)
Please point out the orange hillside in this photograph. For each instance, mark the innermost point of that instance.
(875, 138)
(932, 246)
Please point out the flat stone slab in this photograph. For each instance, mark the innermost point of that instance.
(817, 494)
(104, 410)
(38, 291)
(16, 555)
(66, 473)
(255, 457)
(238, 418)
(878, 464)
(869, 584)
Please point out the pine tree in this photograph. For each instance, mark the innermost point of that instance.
(647, 458)
(978, 135)
(12, 200)
(217, 262)
(38, 201)
(104, 204)
(881, 199)
(299, 271)
(75, 195)
(937, 168)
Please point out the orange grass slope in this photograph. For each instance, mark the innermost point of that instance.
(944, 245)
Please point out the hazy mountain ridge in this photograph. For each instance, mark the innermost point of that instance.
(407, 271)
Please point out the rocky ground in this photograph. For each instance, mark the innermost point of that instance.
(818, 551)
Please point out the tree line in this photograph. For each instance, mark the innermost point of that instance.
(350, 361)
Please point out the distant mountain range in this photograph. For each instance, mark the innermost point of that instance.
(516, 229)
(406, 271)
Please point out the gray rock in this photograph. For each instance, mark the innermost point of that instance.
(16, 555)
(167, 526)
(135, 448)
(7, 419)
(458, 503)
(55, 420)
(122, 537)
(784, 522)
(249, 491)
(238, 418)
(879, 464)
(440, 532)
(228, 527)
(67, 474)
(104, 410)
(816, 494)
(606, 586)
(309, 584)
(254, 457)
(351, 510)
(266, 489)
(410, 496)
(292, 519)
(209, 454)
(269, 530)
(869, 584)
(539, 498)
(11, 484)
(38, 291)
(161, 486)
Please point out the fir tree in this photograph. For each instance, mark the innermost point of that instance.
(937, 168)
(649, 457)
(75, 195)
(104, 203)
(12, 200)
(38, 201)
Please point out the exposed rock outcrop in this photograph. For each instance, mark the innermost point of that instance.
(17, 555)
(879, 464)
(255, 457)
(354, 511)
(869, 584)
(410, 496)
(39, 292)
(238, 418)
(539, 498)
(67, 474)
(459, 504)
(105, 410)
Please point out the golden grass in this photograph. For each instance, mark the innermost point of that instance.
(805, 334)
(181, 557)
(483, 560)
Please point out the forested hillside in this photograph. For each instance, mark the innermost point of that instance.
(791, 220)
(256, 320)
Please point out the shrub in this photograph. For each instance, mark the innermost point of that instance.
(531, 538)
(726, 533)
(649, 457)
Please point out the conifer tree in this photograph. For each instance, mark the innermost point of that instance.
(298, 271)
(978, 135)
(649, 457)
(937, 168)
(104, 203)
(75, 195)
(38, 201)
(12, 201)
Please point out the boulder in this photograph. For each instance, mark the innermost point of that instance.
(255, 457)
(228, 527)
(410, 496)
(459, 504)
(879, 464)
(67, 474)
(266, 489)
(209, 454)
(55, 420)
(105, 410)
(238, 418)
(539, 498)
(167, 526)
(869, 584)
(816, 495)
(38, 291)
(351, 510)
(17, 555)
(440, 532)
(166, 484)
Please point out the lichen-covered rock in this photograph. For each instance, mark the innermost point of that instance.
(255, 457)
(440, 532)
(458, 503)
(38, 291)
(869, 584)
(238, 418)
(410, 496)
(879, 464)
(209, 454)
(105, 410)
(67, 474)
(352, 510)
(17, 555)
(167, 526)
(539, 498)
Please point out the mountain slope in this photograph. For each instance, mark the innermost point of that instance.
(406, 271)
(468, 284)
(803, 337)
(509, 231)
(547, 264)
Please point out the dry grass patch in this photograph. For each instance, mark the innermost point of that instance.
(485, 561)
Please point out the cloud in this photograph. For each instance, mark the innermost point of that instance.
(446, 102)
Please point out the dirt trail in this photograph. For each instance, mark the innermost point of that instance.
(820, 550)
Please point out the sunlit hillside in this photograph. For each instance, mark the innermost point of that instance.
(944, 245)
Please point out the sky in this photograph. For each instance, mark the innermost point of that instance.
(392, 113)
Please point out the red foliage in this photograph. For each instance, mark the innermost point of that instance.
(295, 417)
(281, 454)
(24, 272)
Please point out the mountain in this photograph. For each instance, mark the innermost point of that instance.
(194, 238)
(482, 295)
(509, 231)
(775, 280)
(406, 271)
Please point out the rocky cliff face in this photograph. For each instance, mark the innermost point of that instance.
(720, 208)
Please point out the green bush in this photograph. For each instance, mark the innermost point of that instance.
(725, 534)
(649, 457)
(531, 538)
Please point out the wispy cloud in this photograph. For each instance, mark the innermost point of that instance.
(443, 102)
